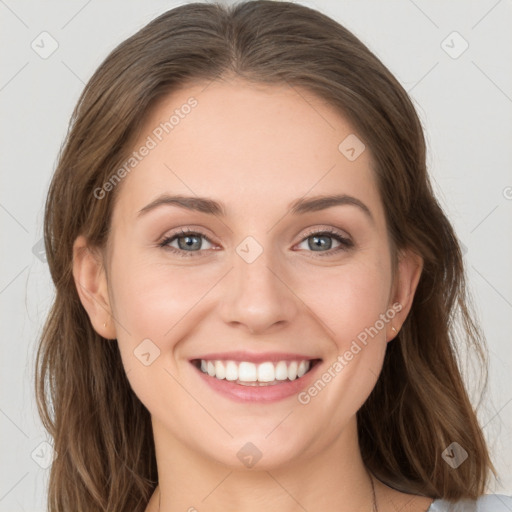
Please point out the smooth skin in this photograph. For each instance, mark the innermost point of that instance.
(255, 149)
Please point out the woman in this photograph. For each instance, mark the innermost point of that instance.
(255, 285)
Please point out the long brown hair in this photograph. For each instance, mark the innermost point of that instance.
(105, 458)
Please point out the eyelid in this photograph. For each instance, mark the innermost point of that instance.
(326, 229)
(186, 230)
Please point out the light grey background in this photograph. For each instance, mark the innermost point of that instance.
(465, 104)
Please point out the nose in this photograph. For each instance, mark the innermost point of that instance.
(258, 297)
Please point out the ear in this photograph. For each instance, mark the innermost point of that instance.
(410, 266)
(91, 284)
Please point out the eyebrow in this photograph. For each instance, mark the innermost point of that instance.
(297, 207)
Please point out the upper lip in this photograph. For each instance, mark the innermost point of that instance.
(260, 357)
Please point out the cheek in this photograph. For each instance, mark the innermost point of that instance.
(351, 302)
(151, 299)
(348, 298)
(156, 301)
(153, 303)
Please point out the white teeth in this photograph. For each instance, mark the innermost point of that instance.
(220, 370)
(266, 372)
(249, 372)
(292, 370)
(231, 371)
(281, 370)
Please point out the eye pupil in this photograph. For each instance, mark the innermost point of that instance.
(321, 241)
(189, 242)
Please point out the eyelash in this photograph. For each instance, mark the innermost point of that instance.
(345, 243)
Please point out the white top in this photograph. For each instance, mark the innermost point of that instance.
(486, 503)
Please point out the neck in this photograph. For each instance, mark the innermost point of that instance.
(334, 479)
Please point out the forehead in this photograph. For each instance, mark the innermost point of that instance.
(254, 147)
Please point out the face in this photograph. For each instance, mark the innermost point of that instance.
(263, 277)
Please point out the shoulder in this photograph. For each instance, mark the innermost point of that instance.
(486, 503)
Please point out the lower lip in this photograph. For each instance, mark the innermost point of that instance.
(265, 394)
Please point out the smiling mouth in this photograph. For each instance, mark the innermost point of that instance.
(246, 373)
